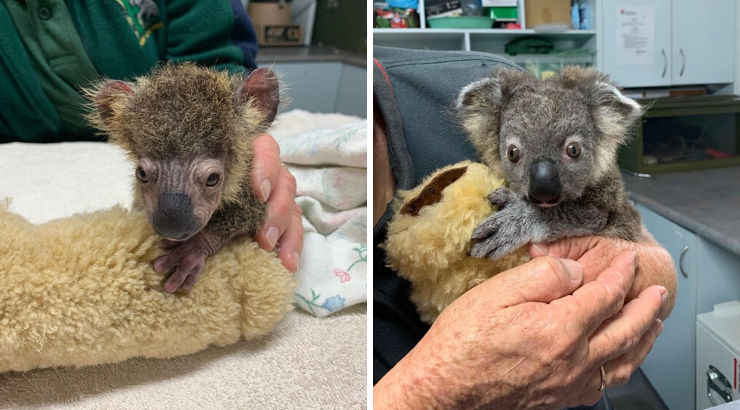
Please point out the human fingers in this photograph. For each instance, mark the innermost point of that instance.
(601, 299)
(618, 371)
(280, 208)
(265, 166)
(540, 280)
(624, 331)
(291, 243)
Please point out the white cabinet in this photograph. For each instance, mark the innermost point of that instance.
(692, 42)
(670, 365)
(703, 45)
(325, 87)
(656, 69)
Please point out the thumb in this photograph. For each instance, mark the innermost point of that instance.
(540, 280)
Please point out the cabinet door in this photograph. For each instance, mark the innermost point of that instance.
(670, 365)
(703, 42)
(352, 98)
(637, 42)
(310, 86)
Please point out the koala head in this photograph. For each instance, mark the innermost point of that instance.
(551, 138)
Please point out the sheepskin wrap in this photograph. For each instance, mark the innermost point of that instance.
(429, 237)
(81, 291)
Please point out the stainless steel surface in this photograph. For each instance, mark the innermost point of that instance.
(718, 383)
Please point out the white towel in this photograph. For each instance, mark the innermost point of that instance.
(329, 161)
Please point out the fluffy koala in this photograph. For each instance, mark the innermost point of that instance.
(555, 142)
(189, 129)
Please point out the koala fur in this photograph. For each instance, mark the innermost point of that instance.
(209, 117)
(190, 131)
(537, 122)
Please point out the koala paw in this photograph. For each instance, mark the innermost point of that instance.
(501, 197)
(187, 257)
(501, 233)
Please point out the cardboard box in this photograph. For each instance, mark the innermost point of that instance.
(278, 34)
(269, 14)
(541, 12)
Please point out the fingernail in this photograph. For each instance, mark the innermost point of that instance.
(266, 187)
(272, 236)
(542, 248)
(658, 326)
(297, 259)
(663, 294)
(574, 269)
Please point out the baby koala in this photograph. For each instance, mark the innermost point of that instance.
(555, 143)
(189, 131)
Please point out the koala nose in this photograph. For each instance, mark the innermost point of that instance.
(544, 183)
(173, 218)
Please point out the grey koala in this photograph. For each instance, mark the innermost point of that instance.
(555, 143)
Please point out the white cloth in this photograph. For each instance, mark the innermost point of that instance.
(329, 162)
(306, 362)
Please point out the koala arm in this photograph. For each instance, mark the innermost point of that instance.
(230, 220)
(519, 222)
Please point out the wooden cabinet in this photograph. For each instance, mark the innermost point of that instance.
(692, 43)
(670, 365)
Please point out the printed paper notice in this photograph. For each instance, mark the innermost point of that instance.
(635, 35)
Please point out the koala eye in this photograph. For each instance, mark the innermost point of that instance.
(141, 175)
(514, 153)
(212, 180)
(573, 150)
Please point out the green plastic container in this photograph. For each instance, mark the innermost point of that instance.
(505, 14)
(461, 22)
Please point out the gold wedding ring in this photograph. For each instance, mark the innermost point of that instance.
(603, 378)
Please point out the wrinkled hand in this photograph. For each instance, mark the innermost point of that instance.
(594, 253)
(507, 229)
(188, 257)
(276, 186)
(532, 337)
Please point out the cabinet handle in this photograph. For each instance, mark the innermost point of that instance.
(665, 63)
(680, 261)
(683, 62)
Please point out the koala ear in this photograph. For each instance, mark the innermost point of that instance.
(613, 113)
(262, 88)
(479, 111)
(479, 107)
(107, 98)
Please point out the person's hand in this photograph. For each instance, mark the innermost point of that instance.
(529, 338)
(276, 186)
(383, 182)
(594, 253)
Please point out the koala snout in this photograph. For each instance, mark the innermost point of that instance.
(544, 183)
(173, 218)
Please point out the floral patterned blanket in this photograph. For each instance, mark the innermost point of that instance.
(327, 153)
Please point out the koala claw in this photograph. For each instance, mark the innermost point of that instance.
(188, 257)
(497, 237)
(502, 197)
